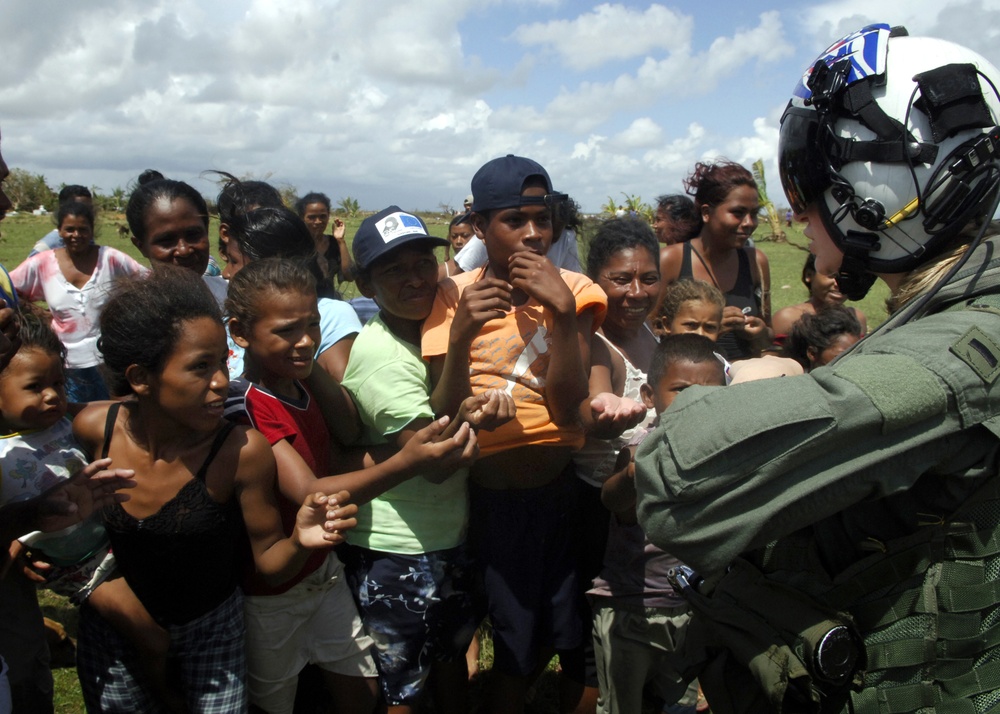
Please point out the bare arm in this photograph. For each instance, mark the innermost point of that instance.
(279, 558)
(481, 302)
(346, 262)
(338, 408)
(333, 360)
(425, 448)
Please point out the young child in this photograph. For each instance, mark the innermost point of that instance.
(406, 559)
(638, 618)
(37, 452)
(203, 489)
(311, 617)
(690, 306)
(520, 325)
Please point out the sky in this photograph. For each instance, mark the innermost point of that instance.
(399, 102)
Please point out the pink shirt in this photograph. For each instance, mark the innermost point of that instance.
(75, 311)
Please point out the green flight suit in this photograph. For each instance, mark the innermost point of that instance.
(863, 490)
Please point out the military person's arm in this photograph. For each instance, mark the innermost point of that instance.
(730, 469)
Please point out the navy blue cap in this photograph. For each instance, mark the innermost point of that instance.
(498, 183)
(387, 230)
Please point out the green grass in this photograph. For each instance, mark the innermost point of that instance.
(19, 233)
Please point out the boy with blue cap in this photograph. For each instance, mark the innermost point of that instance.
(406, 559)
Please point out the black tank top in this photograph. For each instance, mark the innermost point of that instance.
(744, 295)
(182, 561)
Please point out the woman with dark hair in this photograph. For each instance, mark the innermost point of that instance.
(676, 220)
(74, 281)
(335, 257)
(726, 199)
(169, 224)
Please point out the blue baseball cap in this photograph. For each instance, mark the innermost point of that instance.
(387, 230)
(498, 184)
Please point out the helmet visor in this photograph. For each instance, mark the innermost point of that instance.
(802, 165)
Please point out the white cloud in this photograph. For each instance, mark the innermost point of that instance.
(672, 78)
(640, 134)
(610, 32)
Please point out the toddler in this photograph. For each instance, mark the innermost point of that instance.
(639, 620)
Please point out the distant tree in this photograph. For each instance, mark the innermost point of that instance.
(119, 198)
(349, 206)
(29, 191)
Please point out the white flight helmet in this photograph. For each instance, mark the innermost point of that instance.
(896, 139)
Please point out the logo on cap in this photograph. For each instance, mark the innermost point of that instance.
(398, 224)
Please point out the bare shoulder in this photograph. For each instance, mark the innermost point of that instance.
(671, 257)
(88, 425)
(251, 452)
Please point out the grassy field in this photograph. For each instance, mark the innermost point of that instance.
(19, 233)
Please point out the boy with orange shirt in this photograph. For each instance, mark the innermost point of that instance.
(522, 325)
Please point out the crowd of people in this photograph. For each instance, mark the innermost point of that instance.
(240, 478)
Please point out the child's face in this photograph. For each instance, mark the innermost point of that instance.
(521, 228)
(404, 282)
(32, 391)
(233, 257)
(679, 376)
(285, 334)
(841, 343)
(699, 317)
(459, 235)
(176, 233)
(193, 384)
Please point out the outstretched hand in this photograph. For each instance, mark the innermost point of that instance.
(487, 411)
(436, 451)
(611, 415)
(323, 518)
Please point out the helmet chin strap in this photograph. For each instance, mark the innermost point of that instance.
(854, 278)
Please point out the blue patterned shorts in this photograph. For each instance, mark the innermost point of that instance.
(417, 608)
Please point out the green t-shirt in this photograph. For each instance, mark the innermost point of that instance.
(391, 387)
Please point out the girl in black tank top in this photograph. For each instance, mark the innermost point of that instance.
(727, 201)
(202, 486)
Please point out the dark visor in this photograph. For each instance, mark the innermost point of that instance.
(802, 164)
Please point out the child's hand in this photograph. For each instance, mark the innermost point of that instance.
(487, 411)
(611, 415)
(733, 319)
(539, 278)
(436, 455)
(322, 519)
(482, 301)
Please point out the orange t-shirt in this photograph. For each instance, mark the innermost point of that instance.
(512, 353)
